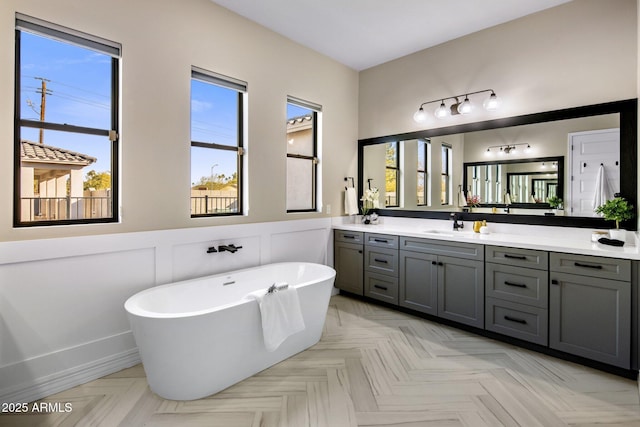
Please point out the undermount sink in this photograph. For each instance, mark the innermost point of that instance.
(439, 232)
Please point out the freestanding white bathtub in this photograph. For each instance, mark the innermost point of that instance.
(198, 337)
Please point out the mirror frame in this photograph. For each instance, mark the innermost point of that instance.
(628, 110)
(560, 172)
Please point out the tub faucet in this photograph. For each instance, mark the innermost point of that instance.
(229, 248)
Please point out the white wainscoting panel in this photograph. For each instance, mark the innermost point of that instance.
(302, 245)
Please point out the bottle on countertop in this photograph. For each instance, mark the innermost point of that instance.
(484, 229)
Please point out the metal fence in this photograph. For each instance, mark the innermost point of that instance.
(62, 208)
(203, 205)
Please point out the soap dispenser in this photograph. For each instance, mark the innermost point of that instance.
(484, 229)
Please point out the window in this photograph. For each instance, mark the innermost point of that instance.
(392, 175)
(445, 182)
(216, 144)
(66, 125)
(302, 155)
(423, 173)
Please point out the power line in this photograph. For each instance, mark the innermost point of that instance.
(102, 95)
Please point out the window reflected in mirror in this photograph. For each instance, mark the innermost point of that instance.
(529, 182)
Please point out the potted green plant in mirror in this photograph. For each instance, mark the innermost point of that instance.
(555, 202)
(617, 209)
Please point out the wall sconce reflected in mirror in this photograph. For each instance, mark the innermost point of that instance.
(507, 149)
(492, 103)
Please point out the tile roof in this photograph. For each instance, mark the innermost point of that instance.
(34, 152)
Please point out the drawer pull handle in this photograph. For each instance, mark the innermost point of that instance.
(440, 263)
(517, 285)
(554, 282)
(434, 263)
(515, 319)
(595, 267)
(384, 288)
(381, 240)
(520, 257)
(360, 251)
(348, 236)
(384, 261)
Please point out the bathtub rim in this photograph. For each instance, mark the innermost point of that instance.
(132, 307)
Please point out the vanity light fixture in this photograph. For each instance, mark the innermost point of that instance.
(465, 107)
(507, 148)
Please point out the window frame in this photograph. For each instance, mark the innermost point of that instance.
(314, 158)
(424, 172)
(73, 37)
(446, 152)
(240, 87)
(396, 171)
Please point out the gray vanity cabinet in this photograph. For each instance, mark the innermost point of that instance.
(443, 278)
(349, 261)
(590, 307)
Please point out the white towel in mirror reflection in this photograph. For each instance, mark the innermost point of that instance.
(603, 191)
(462, 200)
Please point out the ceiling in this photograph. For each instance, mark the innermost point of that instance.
(365, 33)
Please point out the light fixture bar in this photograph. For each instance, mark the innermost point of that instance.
(508, 148)
(464, 107)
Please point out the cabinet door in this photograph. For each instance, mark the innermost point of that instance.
(461, 290)
(348, 262)
(418, 282)
(590, 317)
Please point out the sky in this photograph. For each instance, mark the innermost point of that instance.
(79, 93)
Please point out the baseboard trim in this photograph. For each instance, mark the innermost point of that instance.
(63, 380)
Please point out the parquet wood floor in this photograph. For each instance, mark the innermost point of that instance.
(373, 367)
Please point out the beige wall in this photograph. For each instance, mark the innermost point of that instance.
(579, 53)
(161, 40)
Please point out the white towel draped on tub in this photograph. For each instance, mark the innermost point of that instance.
(281, 315)
(350, 201)
(602, 193)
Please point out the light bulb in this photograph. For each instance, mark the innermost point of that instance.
(528, 149)
(465, 106)
(492, 103)
(442, 111)
(488, 152)
(420, 116)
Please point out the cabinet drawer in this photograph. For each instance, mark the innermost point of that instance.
(381, 240)
(381, 287)
(517, 320)
(349, 236)
(516, 257)
(592, 266)
(442, 247)
(381, 260)
(521, 285)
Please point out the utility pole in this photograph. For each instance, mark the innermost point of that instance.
(43, 102)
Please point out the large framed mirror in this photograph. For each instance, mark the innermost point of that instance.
(434, 172)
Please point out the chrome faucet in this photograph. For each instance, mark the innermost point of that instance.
(456, 225)
(229, 248)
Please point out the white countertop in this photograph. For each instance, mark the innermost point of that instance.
(556, 239)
